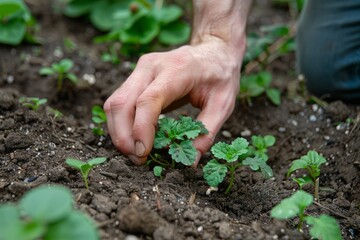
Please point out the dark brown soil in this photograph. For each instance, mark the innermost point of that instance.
(129, 202)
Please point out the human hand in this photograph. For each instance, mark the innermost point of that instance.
(206, 75)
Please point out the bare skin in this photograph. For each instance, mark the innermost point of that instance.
(205, 73)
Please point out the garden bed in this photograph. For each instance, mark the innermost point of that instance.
(127, 200)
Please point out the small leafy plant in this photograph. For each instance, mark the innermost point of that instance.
(158, 170)
(99, 118)
(178, 136)
(85, 167)
(32, 102)
(257, 84)
(16, 23)
(45, 213)
(310, 162)
(260, 144)
(134, 23)
(323, 227)
(61, 70)
(230, 157)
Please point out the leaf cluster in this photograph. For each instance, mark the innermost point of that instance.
(136, 22)
(231, 156)
(32, 102)
(260, 145)
(45, 213)
(259, 42)
(323, 227)
(16, 22)
(257, 84)
(99, 118)
(85, 167)
(178, 135)
(61, 70)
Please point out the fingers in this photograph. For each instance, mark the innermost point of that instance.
(120, 107)
(213, 116)
(160, 94)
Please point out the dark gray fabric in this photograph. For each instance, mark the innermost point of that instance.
(328, 54)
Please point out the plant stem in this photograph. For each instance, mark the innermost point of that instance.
(161, 163)
(232, 178)
(86, 183)
(316, 191)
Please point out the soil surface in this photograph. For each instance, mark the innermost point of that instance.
(129, 202)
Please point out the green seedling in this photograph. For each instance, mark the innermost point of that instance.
(158, 170)
(99, 118)
(178, 136)
(112, 55)
(136, 24)
(56, 113)
(323, 227)
(259, 44)
(230, 157)
(61, 70)
(32, 102)
(260, 145)
(16, 23)
(311, 162)
(45, 213)
(257, 84)
(85, 167)
(69, 45)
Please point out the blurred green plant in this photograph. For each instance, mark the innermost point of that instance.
(99, 118)
(61, 70)
(32, 102)
(257, 84)
(16, 23)
(135, 23)
(323, 227)
(45, 213)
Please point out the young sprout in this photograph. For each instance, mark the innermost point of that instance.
(311, 162)
(323, 227)
(62, 71)
(32, 102)
(85, 167)
(56, 113)
(260, 145)
(99, 118)
(178, 135)
(157, 170)
(231, 156)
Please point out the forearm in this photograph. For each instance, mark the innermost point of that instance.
(224, 20)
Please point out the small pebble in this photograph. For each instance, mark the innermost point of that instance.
(282, 129)
(312, 118)
(245, 133)
(226, 134)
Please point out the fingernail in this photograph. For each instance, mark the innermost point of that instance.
(197, 159)
(134, 159)
(139, 149)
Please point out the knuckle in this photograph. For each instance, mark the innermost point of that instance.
(153, 98)
(147, 59)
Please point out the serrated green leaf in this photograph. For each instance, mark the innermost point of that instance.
(302, 181)
(230, 152)
(324, 227)
(292, 206)
(96, 161)
(186, 128)
(161, 140)
(312, 160)
(97, 120)
(259, 164)
(263, 79)
(183, 152)
(214, 173)
(295, 165)
(39, 203)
